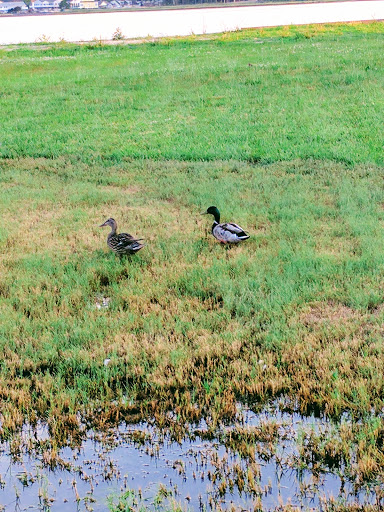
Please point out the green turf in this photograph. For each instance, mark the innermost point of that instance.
(245, 97)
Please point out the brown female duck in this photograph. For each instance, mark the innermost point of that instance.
(121, 243)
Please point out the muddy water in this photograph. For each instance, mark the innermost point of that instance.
(192, 472)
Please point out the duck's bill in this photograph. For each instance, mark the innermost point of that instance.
(102, 225)
(203, 213)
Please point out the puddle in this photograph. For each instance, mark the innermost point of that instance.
(198, 473)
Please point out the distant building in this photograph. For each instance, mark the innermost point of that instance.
(45, 5)
(13, 4)
(110, 4)
(90, 4)
(84, 4)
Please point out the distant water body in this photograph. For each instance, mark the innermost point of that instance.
(162, 23)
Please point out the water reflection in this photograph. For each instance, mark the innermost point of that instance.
(255, 462)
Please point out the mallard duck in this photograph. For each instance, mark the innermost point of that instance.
(121, 243)
(228, 233)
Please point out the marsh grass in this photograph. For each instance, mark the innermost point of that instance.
(281, 129)
(187, 318)
(131, 501)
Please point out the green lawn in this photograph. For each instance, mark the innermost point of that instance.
(249, 96)
(282, 130)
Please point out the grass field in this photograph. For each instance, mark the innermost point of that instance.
(282, 130)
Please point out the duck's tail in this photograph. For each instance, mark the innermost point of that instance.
(136, 246)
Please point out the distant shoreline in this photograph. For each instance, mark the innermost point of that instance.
(171, 22)
(240, 3)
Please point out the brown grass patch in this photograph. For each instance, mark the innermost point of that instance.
(328, 312)
(132, 189)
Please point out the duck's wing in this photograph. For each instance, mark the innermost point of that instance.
(124, 242)
(234, 228)
(229, 233)
(127, 238)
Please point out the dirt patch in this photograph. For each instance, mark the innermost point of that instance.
(378, 310)
(133, 189)
(327, 312)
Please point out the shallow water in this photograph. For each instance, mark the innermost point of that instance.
(109, 465)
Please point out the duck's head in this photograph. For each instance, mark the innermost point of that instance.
(213, 210)
(110, 222)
